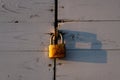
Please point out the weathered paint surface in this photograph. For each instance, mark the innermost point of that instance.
(89, 9)
(86, 69)
(23, 39)
(93, 47)
(91, 35)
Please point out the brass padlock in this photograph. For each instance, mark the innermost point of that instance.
(57, 50)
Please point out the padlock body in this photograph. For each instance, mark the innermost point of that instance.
(57, 51)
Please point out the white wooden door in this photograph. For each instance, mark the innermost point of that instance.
(91, 30)
(23, 39)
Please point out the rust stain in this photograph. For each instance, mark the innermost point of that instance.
(51, 10)
(49, 65)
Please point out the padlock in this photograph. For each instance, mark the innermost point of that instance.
(57, 50)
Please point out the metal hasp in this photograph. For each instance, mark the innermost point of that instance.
(57, 50)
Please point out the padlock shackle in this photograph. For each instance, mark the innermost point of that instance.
(52, 38)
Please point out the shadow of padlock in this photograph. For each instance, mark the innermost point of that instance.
(57, 50)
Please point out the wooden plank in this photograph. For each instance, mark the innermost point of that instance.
(25, 66)
(20, 46)
(26, 11)
(92, 51)
(88, 67)
(89, 9)
(23, 39)
(24, 36)
(94, 35)
(91, 33)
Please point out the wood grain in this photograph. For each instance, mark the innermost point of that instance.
(23, 39)
(89, 9)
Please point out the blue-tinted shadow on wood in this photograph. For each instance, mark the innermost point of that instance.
(92, 55)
